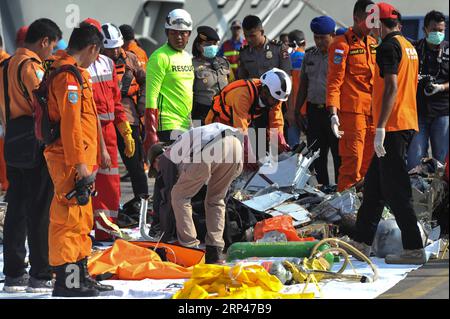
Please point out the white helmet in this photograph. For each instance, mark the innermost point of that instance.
(112, 37)
(179, 19)
(278, 82)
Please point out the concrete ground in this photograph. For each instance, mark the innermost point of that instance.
(427, 282)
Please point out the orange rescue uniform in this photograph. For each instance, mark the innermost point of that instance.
(3, 178)
(33, 71)
(73, 106)
(351, 67)
(238, 102)
(404, 113)
(134, 47)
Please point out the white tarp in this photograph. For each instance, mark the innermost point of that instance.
(389, 276)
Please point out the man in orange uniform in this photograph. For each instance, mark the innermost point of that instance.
(105, 86)
(243, 101)
(130, 44)
(395, 116)
(3, 178)
(351, 65)
(71, 158)
(30, 188)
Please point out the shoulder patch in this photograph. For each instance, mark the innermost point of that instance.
(337, 58)
(40, 74)
(72, 96)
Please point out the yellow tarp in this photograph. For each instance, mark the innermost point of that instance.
(237, 282)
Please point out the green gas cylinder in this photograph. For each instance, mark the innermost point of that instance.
(243, 250)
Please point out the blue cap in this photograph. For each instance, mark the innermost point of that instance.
(60, 45)
(341, 31)
(323, 25)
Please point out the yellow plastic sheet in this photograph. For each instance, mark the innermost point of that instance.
(236, 282)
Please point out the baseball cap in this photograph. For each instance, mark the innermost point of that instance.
(93, 22)
(387, 11)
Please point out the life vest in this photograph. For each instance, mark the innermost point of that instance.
(127, 81)
(223, 113)
(231, 54)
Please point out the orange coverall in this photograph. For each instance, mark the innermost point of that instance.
(73, 106)
(351, 67)
(240, 101)
(3, 178)
(132, 46)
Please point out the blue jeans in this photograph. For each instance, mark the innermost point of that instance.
(434, 130)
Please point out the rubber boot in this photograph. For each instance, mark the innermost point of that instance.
(214, 255)
(72, 275)
(91, 282)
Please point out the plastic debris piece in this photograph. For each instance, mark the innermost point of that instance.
(273, 237)
(337, 205)
(268, 201)
(296, 211)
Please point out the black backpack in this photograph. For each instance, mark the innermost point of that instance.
(22, 149)
(47, 131)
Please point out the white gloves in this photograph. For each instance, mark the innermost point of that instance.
(436, 89)
(379, 142)
(335, 126)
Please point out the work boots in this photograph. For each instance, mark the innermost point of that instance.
(411, 257)
(71, 283)
(214, 255)
(91, 282)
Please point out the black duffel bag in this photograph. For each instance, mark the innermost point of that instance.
(22, 149)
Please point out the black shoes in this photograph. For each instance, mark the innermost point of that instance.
(73, 280)
(70, 282)
(214, 255)
(91, 282)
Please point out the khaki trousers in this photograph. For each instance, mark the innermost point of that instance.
(219, 176)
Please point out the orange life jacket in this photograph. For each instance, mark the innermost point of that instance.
(128, 84)
(224, 113)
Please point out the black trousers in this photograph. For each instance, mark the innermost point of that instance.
(261, 122)
(162, 199)
(162, 207)
(199, 112)
(166, 136)
(134, 164)
(319, 130)
(29, 197)
(387, 183)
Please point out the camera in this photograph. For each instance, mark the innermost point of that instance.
(83, 189)
(427, 82)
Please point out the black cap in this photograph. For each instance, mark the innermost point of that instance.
(207, 33)
(127, 32)
(297, 36)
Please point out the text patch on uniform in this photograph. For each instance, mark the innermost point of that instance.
(356, 51)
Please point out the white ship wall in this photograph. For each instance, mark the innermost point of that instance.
(148, 16)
